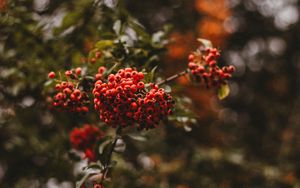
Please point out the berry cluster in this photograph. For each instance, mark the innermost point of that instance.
(124, 101)
(203, 66)
(156, 105)
(70, 99)
(85, 138)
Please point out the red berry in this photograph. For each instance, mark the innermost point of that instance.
(98, 186)
(231, 69)
(98, 76)
(141, 75)
(93, 60)
(57, 87)
(141, 85)
(67, 91)
(111, 78)
(212, 63)
(191, 58)
(192, 65)
(78, 71)
(98, 54)
(51, 75)
(68, 73)
(101, 70)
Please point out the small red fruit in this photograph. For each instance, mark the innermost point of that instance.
(68, 73)
(51, 75)
(191, 57)
(93, 60)
(78, 71)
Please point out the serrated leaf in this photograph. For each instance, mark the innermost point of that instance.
(223, 91)
(205, 43)
(104, 44)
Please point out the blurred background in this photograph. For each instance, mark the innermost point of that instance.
(248, 140)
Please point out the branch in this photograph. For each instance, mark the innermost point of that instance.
(172, 77)
(107, 163)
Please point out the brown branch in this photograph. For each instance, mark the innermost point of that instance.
(107, 163)
(172, 77)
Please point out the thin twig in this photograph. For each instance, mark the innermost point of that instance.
(172, 77)
(107, 163)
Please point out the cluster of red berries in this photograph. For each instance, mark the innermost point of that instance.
(70, 99)
(73, 73)
(85, 138)
(203, 66)
(124, 101)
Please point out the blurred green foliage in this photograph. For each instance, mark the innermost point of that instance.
(252, 142)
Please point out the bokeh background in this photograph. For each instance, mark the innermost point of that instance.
(251, 139)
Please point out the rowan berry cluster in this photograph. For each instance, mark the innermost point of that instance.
(203, 66)
(69, 98)
(156, 105)
(85, 139)
(124, 100)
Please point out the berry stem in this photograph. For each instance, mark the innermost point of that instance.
(107, 163)
(173, 77)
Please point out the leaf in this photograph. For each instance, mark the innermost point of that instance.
(137, 137)
(94, 165)
(48, 83)
(115, 66)
(149, 76)
(223, 91)
(103, 146)
(205, 43)
(69, 20)
(104, 44)
(81, 182)
(117, 27)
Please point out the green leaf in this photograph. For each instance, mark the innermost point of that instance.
(81, 182)
(103, 146)
(223, 91)
(205, 43)
(48, 83)
(149, 76)
(115, 66)
(102, 44)
(94, 165)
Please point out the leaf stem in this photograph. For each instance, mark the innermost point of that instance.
(173, 77)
